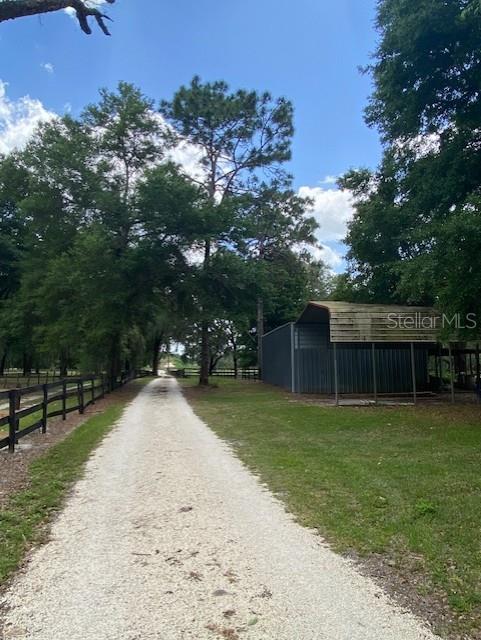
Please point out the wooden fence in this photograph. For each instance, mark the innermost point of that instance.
(11, 378)
(189, 372)
(42, 401)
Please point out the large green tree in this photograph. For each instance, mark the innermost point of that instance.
(272, 222)
(109, 250)
(240, 136)
(104, 224)
(415, 234)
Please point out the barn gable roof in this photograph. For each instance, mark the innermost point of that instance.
(350, 322)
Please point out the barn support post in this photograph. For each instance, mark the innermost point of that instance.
(451, 371)
(413, 371)
(260, 333)
(293, 356)
(336, 377)
(374, 371)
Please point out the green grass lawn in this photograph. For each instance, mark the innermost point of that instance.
(51, 476)
(400, 481)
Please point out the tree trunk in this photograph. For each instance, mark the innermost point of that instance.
(213, 362)
(156, 352)
(204, 329)
(236, 364)
(115, 365)
(204, 354)
(27, 365)
(63, 364)
(260, 333)
(3, 362)
(211, 365)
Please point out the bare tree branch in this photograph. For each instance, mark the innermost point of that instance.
(11, 9)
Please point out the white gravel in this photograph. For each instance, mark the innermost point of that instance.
(168, 536)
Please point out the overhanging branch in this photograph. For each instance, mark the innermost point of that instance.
(11, 9)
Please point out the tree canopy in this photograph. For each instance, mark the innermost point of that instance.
(109, 250)
(415, 234)
(244, 139)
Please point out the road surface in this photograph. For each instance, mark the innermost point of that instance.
(168, 536)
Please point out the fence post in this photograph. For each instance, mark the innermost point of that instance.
(12, 419)
(80, 386)
(44, 408)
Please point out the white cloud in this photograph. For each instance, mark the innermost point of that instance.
(329, 180)
(48, 67)
(19, 119)
(188, 156)
(332, 209)
(332, 256)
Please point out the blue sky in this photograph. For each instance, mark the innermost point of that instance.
(306, 50)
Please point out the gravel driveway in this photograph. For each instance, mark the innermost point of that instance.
(169, 537)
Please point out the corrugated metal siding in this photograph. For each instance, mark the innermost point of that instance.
(354, 368)
(393, 364)
(276, 357)
(314, 364)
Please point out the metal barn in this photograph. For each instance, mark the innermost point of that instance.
(343, 348)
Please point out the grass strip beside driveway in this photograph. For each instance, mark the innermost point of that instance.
(400, 485)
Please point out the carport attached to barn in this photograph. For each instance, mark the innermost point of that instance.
(344, 348)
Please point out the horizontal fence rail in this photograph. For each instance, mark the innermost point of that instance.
(189, 372)
(43, 401)
(10, 379)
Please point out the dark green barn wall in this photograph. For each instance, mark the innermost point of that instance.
(314, 363)
(314, 359)
(276, 357)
